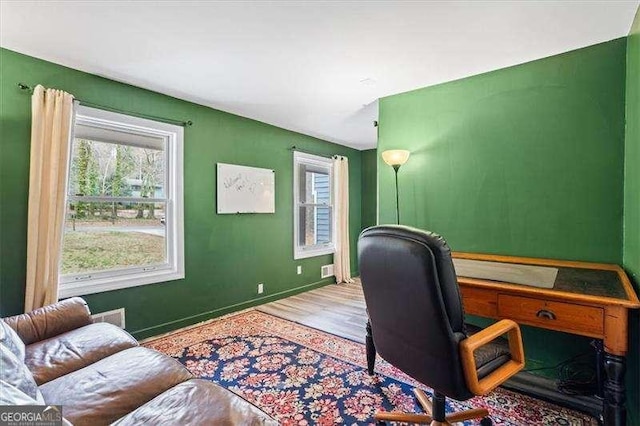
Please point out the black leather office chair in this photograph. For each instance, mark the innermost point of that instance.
(416, 323)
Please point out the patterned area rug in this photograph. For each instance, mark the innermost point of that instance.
(303, 376)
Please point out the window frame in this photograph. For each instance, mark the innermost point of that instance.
(79, 284)
(300, 252)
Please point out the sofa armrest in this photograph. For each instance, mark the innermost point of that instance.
(51, 320)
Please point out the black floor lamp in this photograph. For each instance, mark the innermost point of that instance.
(396, 158)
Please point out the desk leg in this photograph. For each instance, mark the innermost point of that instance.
(371, 350)
(615, 411)
(615, 351)
(599, 347)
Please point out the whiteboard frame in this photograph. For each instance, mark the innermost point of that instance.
(256, 170)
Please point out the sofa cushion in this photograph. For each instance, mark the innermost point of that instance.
(11, 395)
(197, 402)
(13, 371)
(111, 388)
(54, 357)
(9, 338)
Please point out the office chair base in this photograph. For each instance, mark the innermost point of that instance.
(428, 418)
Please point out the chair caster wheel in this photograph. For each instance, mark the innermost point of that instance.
(486, 421)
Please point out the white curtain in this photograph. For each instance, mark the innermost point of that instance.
(51, 122)
(341, 258)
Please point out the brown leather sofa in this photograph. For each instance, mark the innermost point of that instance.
(100, 375)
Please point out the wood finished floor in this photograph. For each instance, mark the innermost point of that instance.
(337, 309)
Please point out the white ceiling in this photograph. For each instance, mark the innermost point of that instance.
(313, 67)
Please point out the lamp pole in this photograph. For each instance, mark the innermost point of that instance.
(396, 167)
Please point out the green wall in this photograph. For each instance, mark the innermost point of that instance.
(632, 154)
(369, 188)
(526, 160)
(225, 255)
(631, 256)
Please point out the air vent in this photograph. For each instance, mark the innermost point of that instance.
(326, 271)
(115, 317)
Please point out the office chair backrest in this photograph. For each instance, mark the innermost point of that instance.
(414, 305)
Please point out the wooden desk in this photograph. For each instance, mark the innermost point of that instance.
(588, 299)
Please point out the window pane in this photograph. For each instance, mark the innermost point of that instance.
(315, 187)
(110, 169)
(105, 236)
(314, 225)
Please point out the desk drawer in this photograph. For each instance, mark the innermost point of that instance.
(569, 317)
(479, 302)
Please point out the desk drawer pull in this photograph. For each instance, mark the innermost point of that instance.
(543, 313)
(551, 314)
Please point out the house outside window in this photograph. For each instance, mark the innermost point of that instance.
(124, 212)
(313, 205)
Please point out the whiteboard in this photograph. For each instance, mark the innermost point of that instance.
(244, 189)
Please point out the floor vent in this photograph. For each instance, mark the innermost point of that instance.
(115, 317)
(326, 271)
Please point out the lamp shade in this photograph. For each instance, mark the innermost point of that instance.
(395, 157)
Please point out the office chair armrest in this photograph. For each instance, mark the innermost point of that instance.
(469, 345)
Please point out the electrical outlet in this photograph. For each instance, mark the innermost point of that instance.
(260, 288)
(299, 269)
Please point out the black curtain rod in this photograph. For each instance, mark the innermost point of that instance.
(295, 148)
(29, 89)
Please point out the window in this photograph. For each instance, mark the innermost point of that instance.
(313, 205)
(123, 221)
